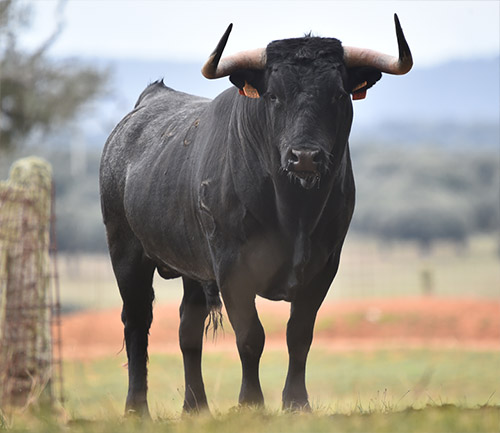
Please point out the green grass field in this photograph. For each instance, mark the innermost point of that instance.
(386, 391)
(337, 382)
(432, 419)
(406, 390)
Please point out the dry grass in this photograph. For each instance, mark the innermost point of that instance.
(380, 391)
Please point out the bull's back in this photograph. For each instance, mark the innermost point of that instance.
(146, 174)
(157, 122)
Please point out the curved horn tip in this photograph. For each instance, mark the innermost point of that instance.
(209, 69)
(385, 63)
(399, 29)
(223, 41)
(228, 30)
(396, 20)
(404, 50)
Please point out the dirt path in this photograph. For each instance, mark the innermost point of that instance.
(341, 325)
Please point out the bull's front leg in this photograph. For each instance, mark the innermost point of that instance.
(299, 335)
(240, 307)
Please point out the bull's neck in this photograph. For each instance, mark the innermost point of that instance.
(262, 186)
(250, 129)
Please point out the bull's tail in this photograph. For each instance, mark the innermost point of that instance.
(214, 307)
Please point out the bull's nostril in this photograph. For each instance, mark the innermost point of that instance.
(304, 160)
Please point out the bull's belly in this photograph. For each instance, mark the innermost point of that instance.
(173, 260)
(175, 250)
(276, 270)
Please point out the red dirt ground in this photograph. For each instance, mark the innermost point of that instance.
(341, 325)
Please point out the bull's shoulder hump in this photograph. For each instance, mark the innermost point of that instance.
(157, 107)
(159, 92)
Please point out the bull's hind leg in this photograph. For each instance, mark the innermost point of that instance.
(193, 313)
(134, 275)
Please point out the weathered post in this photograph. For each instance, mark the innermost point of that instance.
(25, 305)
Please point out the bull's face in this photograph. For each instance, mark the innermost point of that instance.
(305, 95)
(304, 87)
(309, 114)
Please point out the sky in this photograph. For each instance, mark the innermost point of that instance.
(437, 31)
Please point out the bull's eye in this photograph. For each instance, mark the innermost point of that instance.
(340, 96)
(273, 98)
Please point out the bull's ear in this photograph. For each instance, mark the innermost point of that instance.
(250, 82)
(361, 79)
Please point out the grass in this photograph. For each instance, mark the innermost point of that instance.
(337, 382)
(432, 419)
(358, 391)
(386, 390)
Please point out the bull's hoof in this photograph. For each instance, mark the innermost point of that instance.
(139, 413)
(296, 406)
(251, 405)
(247, 408)
(190, 409)
(251, 398)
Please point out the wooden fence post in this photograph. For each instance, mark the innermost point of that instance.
(25, 310)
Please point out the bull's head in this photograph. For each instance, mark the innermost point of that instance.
(305, 85)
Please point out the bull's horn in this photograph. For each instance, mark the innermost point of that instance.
(215, 67)
(383, 62)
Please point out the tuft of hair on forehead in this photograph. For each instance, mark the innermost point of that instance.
(305, 50)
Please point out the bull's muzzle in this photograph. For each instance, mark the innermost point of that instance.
(304, 165)
(303, 161)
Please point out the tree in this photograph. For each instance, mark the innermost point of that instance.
(38, 93)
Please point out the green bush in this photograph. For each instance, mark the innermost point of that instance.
(425, 194)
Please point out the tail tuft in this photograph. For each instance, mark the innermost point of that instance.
(214, 306)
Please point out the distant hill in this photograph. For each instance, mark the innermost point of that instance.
(446, 103)
(459, 91)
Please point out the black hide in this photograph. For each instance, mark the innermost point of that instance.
(237, 196)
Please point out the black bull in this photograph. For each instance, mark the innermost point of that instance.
(240, 196)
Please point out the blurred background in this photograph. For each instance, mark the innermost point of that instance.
(425, 146)
(423, 250)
